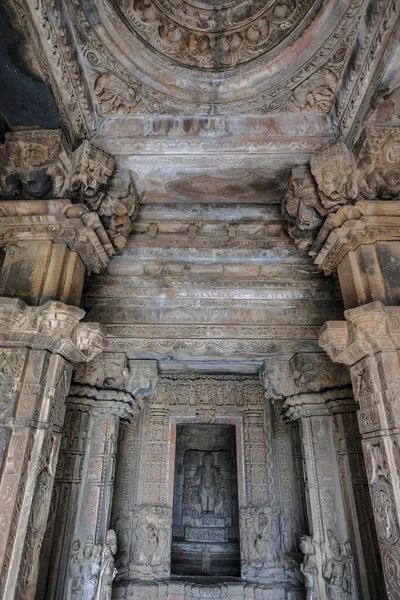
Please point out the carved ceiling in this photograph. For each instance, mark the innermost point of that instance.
(215, 34)
(208, 105)
(108, 59)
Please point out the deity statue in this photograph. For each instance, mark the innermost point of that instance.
(337, 571)
(262, 534)
(207, 479)
(309, 566)
(152, 538)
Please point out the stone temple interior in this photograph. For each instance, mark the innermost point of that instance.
(199, 299)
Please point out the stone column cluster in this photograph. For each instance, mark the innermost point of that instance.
(57, 222)
(345, 212)
(317, 395)
(100, 397)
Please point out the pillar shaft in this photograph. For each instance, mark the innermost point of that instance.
(327, 514)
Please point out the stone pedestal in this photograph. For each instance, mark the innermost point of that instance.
(38, 346)
(369, 342)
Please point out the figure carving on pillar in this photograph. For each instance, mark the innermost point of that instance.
(107, 569)
(309, 566)
(208, 481)
(92, 568)
(85, 568)
(338, 571)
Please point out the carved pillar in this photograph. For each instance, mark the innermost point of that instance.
(81, 505)
(325, 503)
(360, 241)
(369, 342)
(51, 236)
(38, 346)
(356, 496)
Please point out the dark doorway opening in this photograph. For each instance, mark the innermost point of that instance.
(205, 534)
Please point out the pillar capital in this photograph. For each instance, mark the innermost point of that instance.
(53, 326)
(368, 329)
(344, 211)
(325, 403)
(113, 370)
(302, 373)
(60, 222)
(100, 402)
(39, 166)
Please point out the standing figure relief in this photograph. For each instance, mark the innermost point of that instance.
(208, 480)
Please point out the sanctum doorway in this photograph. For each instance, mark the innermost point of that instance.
(205, 533)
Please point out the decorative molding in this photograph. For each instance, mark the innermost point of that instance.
(185, 348)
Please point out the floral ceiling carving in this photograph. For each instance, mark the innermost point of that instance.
(214, 34)
(185, 58)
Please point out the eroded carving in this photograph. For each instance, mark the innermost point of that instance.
(335, 172)
(303, 209)
(39, 164)
(378, 159)
(309, 567)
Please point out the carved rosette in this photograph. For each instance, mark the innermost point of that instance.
(212, 35)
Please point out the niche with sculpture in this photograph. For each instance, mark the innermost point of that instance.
(205, 519)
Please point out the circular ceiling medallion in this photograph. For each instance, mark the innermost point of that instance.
(213, 34)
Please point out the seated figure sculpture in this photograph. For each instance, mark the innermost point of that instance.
(207, 479)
